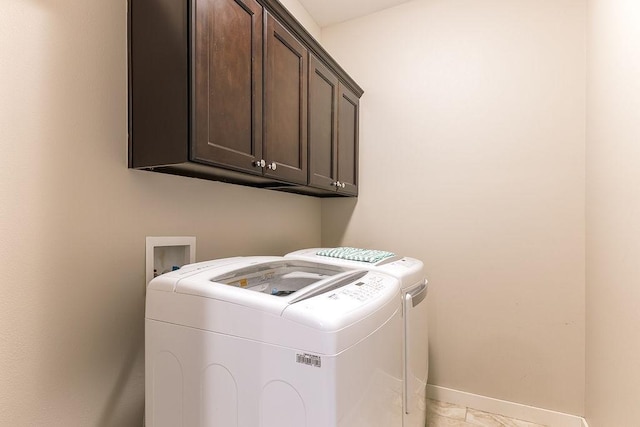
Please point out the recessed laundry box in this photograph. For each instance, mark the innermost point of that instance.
(274, 342)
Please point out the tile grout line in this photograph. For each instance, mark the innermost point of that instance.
(537, 416)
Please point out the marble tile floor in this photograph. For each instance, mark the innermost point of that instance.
(441, 414)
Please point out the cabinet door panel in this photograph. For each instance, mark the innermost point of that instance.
(323, 132)
(228, 83)
(348, 116)
(285, 139)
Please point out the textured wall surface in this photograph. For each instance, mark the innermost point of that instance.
(613, 213)
(472, 155)
(73, 219)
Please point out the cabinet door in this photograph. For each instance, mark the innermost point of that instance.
(228, 84)
(323, 130)
(348, 117)
(285, 118)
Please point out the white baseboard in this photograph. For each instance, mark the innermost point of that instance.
(503, 407)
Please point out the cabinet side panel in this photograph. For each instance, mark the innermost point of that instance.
(228, 83)
(348, 115)
(158, 72)
(322, 123)
(286, 104)
(230, 77)
(323, 96)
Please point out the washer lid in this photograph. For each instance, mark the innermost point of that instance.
(269, 285)
(281, 277)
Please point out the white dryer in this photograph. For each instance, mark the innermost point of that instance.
(414, 289)
(273, 342)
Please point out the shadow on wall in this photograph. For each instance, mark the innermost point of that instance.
(88, 307)
(336, 216)
(78, 218)
(117, 410)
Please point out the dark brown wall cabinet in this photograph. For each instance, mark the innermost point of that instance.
(227, 85)
(333, 132)
(238, 91)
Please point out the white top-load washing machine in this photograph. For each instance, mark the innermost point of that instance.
(273, 342)
(414, 289)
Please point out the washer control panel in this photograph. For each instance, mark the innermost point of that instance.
(363, 290)
(345, 305)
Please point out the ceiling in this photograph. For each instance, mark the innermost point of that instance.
(328, 12)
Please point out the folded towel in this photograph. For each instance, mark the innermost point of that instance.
(356, 254)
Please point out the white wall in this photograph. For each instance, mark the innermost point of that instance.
(613, 214)
(472, 159)
(73, 219)
(473, 128)
(301, 14)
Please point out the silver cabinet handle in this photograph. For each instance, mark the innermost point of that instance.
(342, 184)
(336, 184)
(259, 163)
(273, 166)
